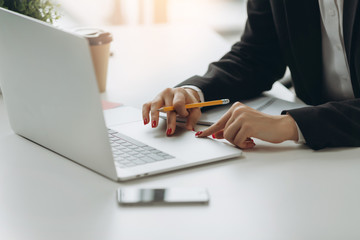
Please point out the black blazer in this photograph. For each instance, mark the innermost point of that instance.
(281, 33)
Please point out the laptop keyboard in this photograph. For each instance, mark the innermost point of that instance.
(128, 152)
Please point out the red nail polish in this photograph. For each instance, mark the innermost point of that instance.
(145, 121)
(153, 124)
(168, 132)
(213, 136)
(193, 129)
(198, 133)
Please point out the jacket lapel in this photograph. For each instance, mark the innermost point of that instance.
(303, 19)
(351, 23)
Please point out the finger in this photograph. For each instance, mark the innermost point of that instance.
(248, 145)
(228, 118)
(237, 110)
(193, 118)
(171, 116)
(145, 112)
(179, 102)
(231, 130)
(155, 105)
(171, 123)
(219, 134)
(219, 125)
(242, 138)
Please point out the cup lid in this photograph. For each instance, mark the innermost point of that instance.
(95, 36)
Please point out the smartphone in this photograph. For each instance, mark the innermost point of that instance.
(142, 196)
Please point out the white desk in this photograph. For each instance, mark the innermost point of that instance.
(283, 191)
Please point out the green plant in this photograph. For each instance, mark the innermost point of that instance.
(43, 10)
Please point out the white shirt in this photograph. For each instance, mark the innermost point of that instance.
(337, 81)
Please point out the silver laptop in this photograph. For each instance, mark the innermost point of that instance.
(51, 95)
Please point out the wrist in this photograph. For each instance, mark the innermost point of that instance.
(289, 128)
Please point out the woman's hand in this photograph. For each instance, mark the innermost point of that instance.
(176, 97)
(241, 122)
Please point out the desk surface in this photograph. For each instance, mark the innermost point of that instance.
(283, 191)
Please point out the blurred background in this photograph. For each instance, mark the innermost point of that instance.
(226, 17)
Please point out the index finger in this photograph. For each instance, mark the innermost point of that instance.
(216, 127)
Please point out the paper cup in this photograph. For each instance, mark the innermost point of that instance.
(99, 41)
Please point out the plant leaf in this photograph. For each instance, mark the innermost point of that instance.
(44, 10)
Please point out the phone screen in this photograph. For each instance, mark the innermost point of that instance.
(133, 196)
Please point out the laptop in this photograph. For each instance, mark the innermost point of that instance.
(51, 95)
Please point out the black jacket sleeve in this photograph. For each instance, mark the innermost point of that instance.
(333, 124)
(252, 65)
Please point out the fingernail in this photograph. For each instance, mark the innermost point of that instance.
(213, 136)
(153, 124)
(249, 145)
(168, 132)
(193, 129)
(198, 133)
(145, 121)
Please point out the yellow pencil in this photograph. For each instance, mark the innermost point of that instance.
(196, 105)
